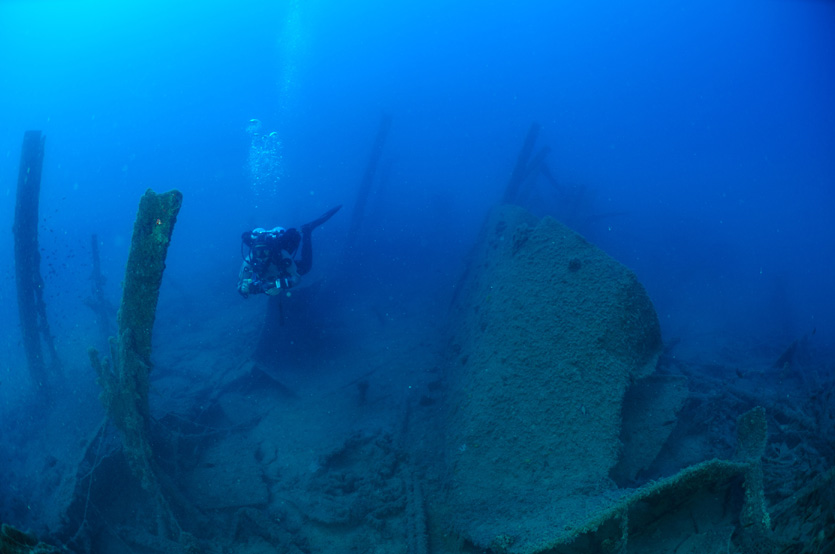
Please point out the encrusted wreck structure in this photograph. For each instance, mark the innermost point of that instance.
(542, 417)
(34, 324)
(555, 412)
(125, 376)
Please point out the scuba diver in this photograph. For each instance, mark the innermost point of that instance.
(270, 266)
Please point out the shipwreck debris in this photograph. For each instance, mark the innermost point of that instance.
(125, 378)
(30, 285)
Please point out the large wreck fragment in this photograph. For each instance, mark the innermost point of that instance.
(548, 335)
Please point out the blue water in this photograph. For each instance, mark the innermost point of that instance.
(701, 135)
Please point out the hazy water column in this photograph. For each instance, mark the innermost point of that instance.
(289, 50)
(266, 162)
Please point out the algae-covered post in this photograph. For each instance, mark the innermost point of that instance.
(146, 263)
(125, 385)
(30, 285)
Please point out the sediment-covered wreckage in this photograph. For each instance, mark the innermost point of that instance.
(551, 421)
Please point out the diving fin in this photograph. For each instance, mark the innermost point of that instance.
(321, 219)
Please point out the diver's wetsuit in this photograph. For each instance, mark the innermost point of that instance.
(270, 265)
(278, 269)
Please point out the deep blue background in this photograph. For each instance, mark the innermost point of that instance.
(708, 126)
